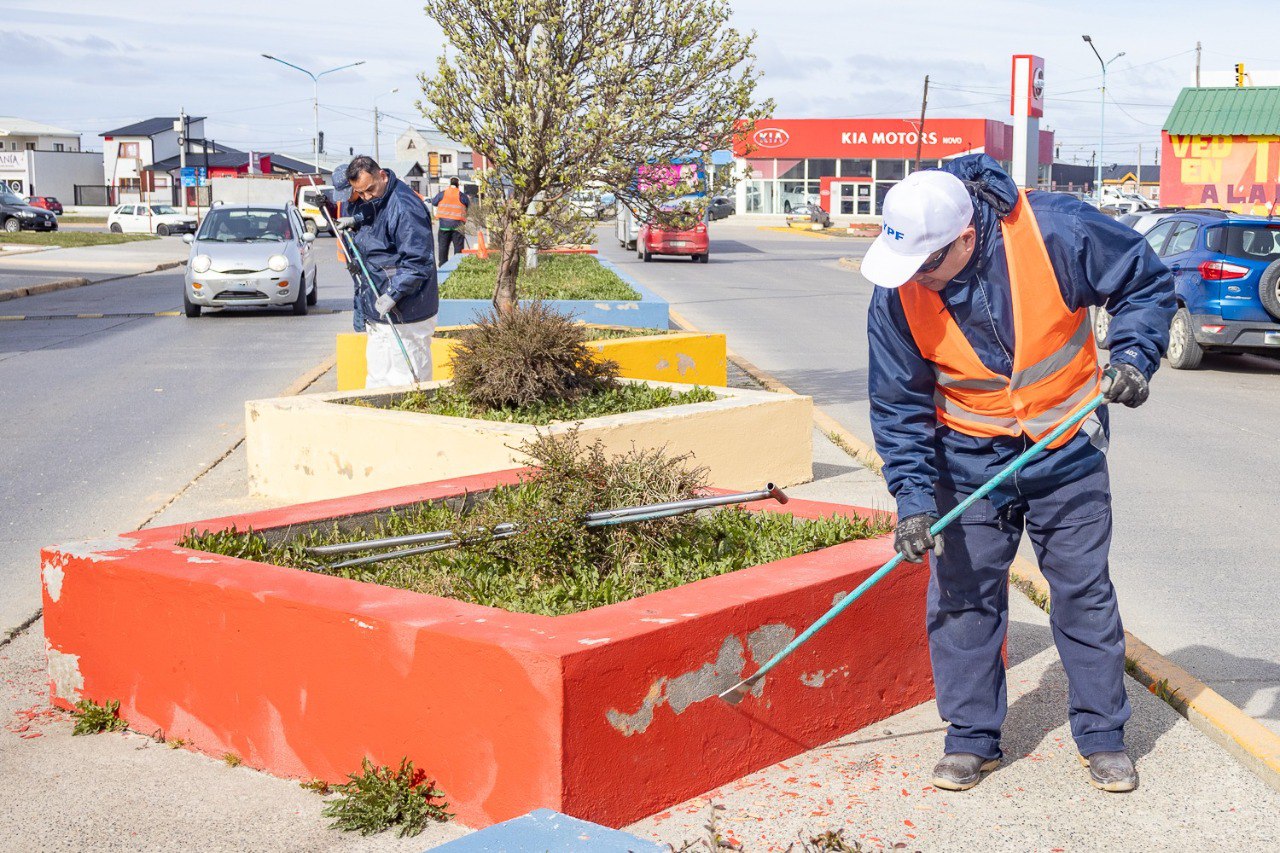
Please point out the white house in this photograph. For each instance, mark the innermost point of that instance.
(39, 159)
(418, 144)
(128, 151)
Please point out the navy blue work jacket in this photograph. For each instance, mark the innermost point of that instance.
(1098, 261)
(395, 242)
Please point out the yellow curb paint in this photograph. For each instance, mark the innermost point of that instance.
(168, 314)
(89, 316)
(854, 264)
(1255, 746)
(690, 358)
(805, 231)
(13, 316)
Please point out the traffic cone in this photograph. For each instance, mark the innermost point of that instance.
(481, 249)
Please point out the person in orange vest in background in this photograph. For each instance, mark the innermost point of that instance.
(451, 206)
(980, 344)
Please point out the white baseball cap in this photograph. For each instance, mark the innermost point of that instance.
(921, 214)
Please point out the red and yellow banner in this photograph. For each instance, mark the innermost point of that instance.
(1240, 173)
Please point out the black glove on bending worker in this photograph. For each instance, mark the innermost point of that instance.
(1124, 383)
(912, 538)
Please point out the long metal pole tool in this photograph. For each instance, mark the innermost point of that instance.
(738, 692)
(349, 246)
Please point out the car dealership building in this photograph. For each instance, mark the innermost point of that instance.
(848, 165)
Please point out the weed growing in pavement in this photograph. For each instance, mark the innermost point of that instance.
(175, 743)
(378, 798)
(1130, 666)
(232, 760)
(556, 565)
(1031, 591)
(318, 786)
(92, 718)
(555, 277)
(1160, 689)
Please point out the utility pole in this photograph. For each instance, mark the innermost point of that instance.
(182, 152)
(377, 149)
(1197, 65)
(924, 103)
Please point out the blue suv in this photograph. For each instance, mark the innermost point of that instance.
(1226, 275)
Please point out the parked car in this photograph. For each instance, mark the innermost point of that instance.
(47, 202)
(1143, 221)
(720, 207)
(16, 215)
(1226, 274)
(684, 232)
(150, 219)
(251, 255)
(791, 199)
(812, 213)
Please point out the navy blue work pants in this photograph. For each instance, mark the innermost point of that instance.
(968, 611)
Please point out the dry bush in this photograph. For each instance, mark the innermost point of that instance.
(528, 355)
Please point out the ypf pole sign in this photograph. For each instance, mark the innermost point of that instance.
(1026, 105)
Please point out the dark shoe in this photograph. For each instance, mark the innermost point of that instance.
(1111, 771)
(960, 771)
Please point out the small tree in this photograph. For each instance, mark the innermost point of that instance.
(557, 94)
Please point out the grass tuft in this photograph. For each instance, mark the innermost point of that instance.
(71, 239)
(378, 798)
(92, 718)
(555, 277)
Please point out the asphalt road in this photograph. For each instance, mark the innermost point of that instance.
(1196, 552)
(105, 419)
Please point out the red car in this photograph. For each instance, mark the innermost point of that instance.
(689, 238)
(48, 202)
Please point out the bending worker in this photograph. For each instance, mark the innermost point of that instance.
(980, 344)
(451, 206)
(392, 231)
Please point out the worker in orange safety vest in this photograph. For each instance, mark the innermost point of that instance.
(980, 344)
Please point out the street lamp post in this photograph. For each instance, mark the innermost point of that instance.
(315, 99)
(1102, 121)
(377, 151)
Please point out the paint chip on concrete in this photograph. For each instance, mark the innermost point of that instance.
(767, 640)
(684, 364)
(360, 624)
(657, 621)
(195, 560)
(682, 691)
(52, 574)
(64, 672)
(93, 549)
(593, 642)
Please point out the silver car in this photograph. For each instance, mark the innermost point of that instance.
(250, 255)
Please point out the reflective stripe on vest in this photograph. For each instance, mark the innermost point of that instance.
(1055, 363)
(451, 206)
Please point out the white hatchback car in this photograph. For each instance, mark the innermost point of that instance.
(150, 219)
(250, 255)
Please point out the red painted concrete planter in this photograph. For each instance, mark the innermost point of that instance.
(608, 715)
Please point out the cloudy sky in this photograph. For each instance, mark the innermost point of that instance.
(91, 66)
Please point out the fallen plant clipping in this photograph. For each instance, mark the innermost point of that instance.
(379, 797)
(92, 718)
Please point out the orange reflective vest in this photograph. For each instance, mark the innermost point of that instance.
(1055, 363)
(451, 206)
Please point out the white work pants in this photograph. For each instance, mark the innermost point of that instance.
(385, 362)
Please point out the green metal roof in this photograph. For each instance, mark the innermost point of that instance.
(1226, 111)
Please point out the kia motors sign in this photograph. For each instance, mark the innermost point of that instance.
(771, 137)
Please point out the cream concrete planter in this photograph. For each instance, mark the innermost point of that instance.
(311, 447)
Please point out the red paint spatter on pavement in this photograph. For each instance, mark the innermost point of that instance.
(909, 823)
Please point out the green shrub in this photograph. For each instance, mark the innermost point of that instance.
(378, 798)
(528, 355)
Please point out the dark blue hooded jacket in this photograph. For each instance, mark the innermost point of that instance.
(1098, 261)
(395, 242)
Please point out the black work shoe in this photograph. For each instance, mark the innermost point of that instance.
(960, 771)
(1111, 771)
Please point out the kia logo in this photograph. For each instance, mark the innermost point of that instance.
(771, 137)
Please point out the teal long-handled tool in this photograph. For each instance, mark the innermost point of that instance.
(738, 692)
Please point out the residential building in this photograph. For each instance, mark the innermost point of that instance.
(39, 159)
(425, 146)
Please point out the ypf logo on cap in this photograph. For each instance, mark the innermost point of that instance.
(920, 215)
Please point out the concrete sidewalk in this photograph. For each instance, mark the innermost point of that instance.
(129, 792)
(30, 273)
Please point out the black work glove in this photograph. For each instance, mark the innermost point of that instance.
(912, 538)
(353, 267)
(1124, 383)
